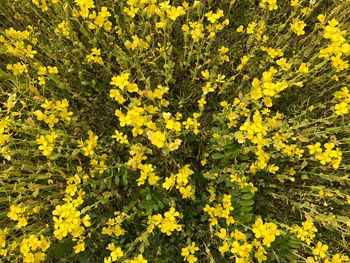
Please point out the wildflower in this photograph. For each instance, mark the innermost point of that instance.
(282, 62)
(306, 232)
(320, 250)
(298, 27)
(303, 68)
(267, 231)
(137, 259)
(33, 248)
(120, 137)
(174, 12)
(84, 6)
(270, 4)
(114, 225)
(88, 146)
(79, 247)
(240, 29)
(16, 214)
(294, 3)
(95, 56)
(222, 54)
(62, 29)
(244, 61)
(116, 252)
(157, 138)
(189, 251)
(166, 224)
(341, 108)
(18, 68)
(213, 17)
(321, 18)
(46, 143)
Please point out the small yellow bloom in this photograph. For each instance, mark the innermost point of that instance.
(298, 27)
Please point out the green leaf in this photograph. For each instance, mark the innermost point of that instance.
(216, 130)
(246, 209)
(222, 178)
(233, 153)
(217, 156)
(247, 202)
(125, 177)
(247, 196)
(116, 180)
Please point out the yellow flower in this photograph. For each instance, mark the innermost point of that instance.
(120, 137)
(201, 102)
(186, 191)
(298, 27)
(341, 108)
(240, 29)
(294, 2)
(52, 70)
(17, 68)
(42, 71)
(169, 182)
(189, 251)
(174, 12)
(282, 62)
(175, 145)
(321, 18)
(79, 247)
(271, 4)
(121, 81)
(316, 148)
(273, 168)
(116, 252)
(320, 250)
(84, 6)
(138, 259)
(303, 68)
(95, 56)
(213, 17)
(157, 138)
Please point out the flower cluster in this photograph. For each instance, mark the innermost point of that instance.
(267, 232)
(3, 233)
(305, 232)
(328, 155)
(18, 68)
(63, 28)
(220, 211)
(47, 143)
(189, 251)
(88, 146)
(33, 248)
(181, 181)
(343, 98)
(116, 253)
(270, 4)
(43, 71)
(16, 213)
(338, 46)
(215, 128)
(167, 224)
(95, 56)
(54, 111)
(67, 221)
(16, 42)
(298, 27)
(114, 225)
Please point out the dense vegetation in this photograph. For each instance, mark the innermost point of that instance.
(173, 131)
